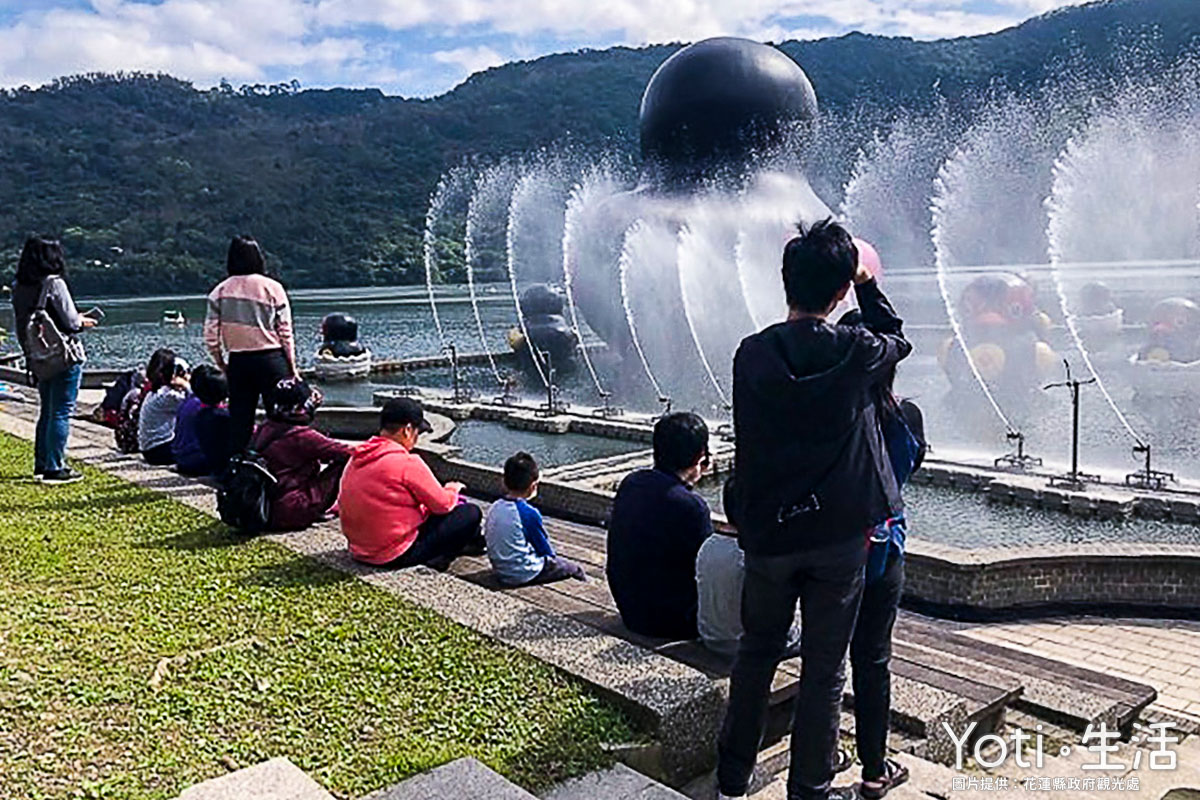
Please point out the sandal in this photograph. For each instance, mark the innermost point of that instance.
(894, 774)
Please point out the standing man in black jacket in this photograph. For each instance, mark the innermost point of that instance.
(813, 476)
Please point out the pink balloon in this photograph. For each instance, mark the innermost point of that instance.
(868, 256)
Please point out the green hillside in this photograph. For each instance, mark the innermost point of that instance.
(146, 177)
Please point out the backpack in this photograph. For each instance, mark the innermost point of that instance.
(903, 435)
(126, 430)
(49, 351)
(114, 396)
(247, 488)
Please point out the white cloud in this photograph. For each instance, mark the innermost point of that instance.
(639, 22)
(203, 40)
(426, 45)
(470, 59)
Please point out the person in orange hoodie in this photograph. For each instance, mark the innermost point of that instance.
(393, 510)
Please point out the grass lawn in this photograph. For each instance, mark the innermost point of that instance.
(102, 582)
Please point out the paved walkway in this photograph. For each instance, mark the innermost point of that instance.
(1162, 653)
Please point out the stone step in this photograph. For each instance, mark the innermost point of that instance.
(277, 779)
(618, 783)
(926, 780)
(464, 779)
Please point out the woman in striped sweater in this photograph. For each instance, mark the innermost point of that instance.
(248, 331)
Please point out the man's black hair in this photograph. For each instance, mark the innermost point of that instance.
(680, 439)
(40, 258)
(245, 257)
(817, 264)
(400, 411)
(209, 385)
(520, 472)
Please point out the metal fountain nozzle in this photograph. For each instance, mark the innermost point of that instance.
(1018, 459)
(1147, 477)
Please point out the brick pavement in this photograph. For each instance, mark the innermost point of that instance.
(1162, 653)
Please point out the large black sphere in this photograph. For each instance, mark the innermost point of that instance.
(719, 101)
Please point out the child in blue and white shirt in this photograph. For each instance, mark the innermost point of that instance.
(517, 544)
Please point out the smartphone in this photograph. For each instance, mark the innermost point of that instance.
(95, 312)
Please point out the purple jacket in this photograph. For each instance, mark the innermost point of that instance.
(294, 454)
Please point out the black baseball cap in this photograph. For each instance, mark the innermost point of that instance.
(400, 411)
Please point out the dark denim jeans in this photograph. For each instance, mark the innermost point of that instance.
(441, 539)
(58, 395)
(870, 656)
(829, 585)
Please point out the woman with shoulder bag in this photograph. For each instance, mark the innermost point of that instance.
(43, 306)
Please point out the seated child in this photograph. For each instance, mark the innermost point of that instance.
(129, 412)
(516, 540)
(720, 573)
(156, 419)
(294, 453)
(202, 436)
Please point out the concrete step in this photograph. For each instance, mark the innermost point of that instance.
(464, 779)
(618, 783)
(926, 780)
(277, 779)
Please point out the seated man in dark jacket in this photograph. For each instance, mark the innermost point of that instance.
(658, 524)
(812, 478)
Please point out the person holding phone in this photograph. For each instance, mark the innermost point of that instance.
(169, 389)
(393, 511)
(813, 479)
(41, 283)
(658, 524)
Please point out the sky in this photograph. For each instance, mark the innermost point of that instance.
(419, 48)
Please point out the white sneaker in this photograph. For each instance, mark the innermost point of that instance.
(730, 796)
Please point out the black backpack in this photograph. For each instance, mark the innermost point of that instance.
(247, 488)
(115, 394)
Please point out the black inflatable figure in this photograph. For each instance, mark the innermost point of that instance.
(713, 113)
(1005, 331)
(339, 336)
(542, 307)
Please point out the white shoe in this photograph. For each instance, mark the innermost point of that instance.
(730, 797)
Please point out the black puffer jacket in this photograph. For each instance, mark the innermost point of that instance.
(811, 466)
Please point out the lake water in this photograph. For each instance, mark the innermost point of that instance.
(491, 443)
(397, 322)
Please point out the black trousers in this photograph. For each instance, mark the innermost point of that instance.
(829, 586)
(441, 539)
(870, 656)
(251, 376)
(160, 455)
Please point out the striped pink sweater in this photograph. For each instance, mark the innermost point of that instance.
(246, 313)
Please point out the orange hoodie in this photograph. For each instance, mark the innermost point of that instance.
(386, 493)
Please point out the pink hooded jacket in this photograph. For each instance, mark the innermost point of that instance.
(386, 493)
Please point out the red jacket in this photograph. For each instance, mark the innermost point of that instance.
(386, 493)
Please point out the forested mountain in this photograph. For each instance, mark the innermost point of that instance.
(146, 177)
